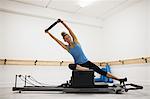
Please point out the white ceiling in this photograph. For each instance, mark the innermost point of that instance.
(99, 9)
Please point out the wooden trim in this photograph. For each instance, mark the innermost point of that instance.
(66, 63)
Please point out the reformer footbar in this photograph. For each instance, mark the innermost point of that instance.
(81, 82)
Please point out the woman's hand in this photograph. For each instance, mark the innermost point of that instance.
(46, 31)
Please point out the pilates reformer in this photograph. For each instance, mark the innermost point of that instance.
(81, 82)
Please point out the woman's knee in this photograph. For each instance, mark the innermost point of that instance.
(72, 66)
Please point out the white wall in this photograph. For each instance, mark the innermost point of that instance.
(23, 37)
(125, 34)
(23, 34)
(148, 3)
(1, 43)
(135, 73)
(52, 75)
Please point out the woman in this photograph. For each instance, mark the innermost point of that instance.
(74, 48)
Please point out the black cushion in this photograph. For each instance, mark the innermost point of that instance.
(82, 79)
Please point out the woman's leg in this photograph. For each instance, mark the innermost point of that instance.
(91, 65)
(109, 75)
(77, 67)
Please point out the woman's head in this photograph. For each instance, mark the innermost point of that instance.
(66, 37)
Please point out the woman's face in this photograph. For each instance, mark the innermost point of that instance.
(67, 38)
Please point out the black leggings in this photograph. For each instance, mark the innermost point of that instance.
(89, 65)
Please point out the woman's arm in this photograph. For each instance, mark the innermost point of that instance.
(70, 31)
(58, 41)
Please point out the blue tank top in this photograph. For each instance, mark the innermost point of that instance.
(77, 53)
